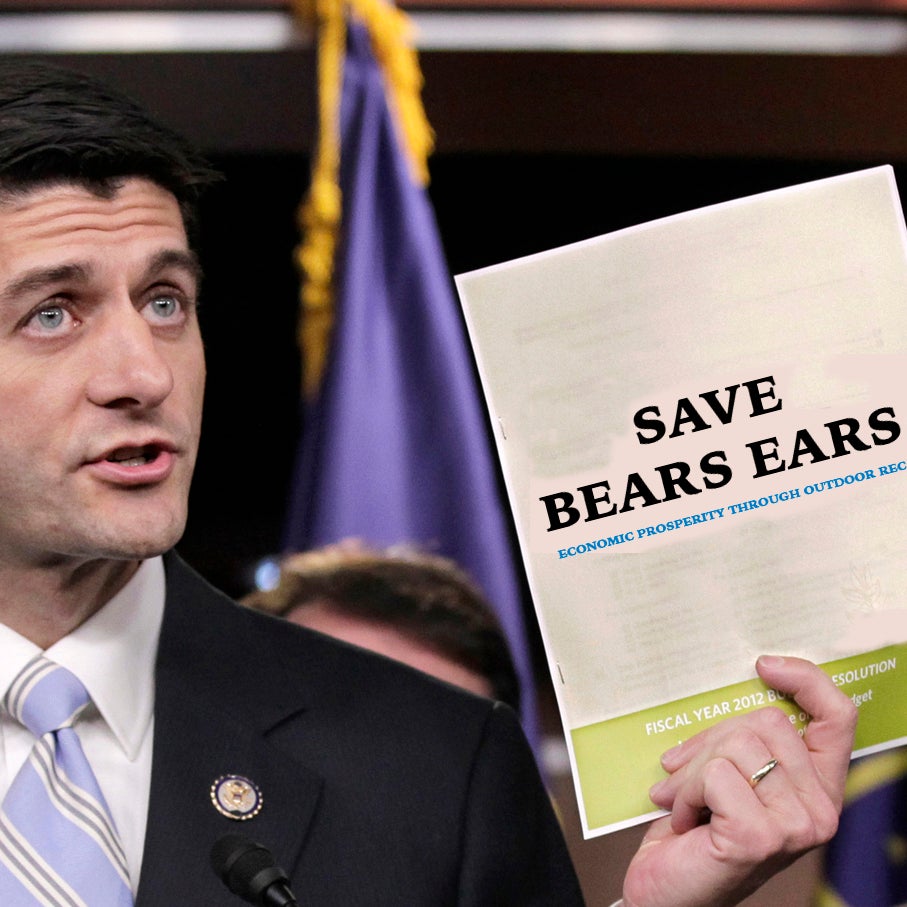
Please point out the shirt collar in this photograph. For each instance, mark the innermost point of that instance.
(17, 652)
(113, 653)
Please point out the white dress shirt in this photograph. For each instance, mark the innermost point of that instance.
(113, 654)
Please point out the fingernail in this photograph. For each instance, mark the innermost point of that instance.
(656, 789)
(667, 754)
(771, 661)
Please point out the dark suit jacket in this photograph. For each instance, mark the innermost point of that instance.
(380, 786)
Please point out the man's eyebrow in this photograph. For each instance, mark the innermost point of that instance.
(184, 259)
(38, 278)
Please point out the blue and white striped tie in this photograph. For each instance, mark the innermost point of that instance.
(58, 844)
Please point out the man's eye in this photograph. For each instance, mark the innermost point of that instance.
(49, 318)
(164, 307)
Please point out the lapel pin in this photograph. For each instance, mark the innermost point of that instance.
(236, 797)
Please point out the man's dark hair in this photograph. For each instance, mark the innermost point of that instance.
(426, 598)
(59, 126)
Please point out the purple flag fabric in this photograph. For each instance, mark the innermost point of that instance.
(866, 861)
(396, 449)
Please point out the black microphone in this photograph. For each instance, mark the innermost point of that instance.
(250, 871)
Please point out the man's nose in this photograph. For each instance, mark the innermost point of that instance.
(129, 368)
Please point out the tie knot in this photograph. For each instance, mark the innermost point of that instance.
(45, 696)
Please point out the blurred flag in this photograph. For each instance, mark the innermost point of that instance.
(866, 862)
(394, 447)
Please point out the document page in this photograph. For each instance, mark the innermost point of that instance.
(702, 424)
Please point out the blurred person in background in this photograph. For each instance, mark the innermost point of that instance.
(417, 608)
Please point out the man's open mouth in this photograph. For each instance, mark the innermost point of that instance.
(134, 456)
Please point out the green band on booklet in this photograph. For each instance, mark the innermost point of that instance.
(618, 760)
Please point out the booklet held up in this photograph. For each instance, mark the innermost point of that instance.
(702, 423)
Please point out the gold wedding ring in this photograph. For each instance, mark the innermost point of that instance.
(756, 777)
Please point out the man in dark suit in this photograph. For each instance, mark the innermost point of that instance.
(378, 788)
(372, 784)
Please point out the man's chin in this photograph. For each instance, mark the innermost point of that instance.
(139, 545)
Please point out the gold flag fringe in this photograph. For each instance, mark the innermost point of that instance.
(319, 216)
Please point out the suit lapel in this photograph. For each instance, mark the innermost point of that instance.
(210, 722)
